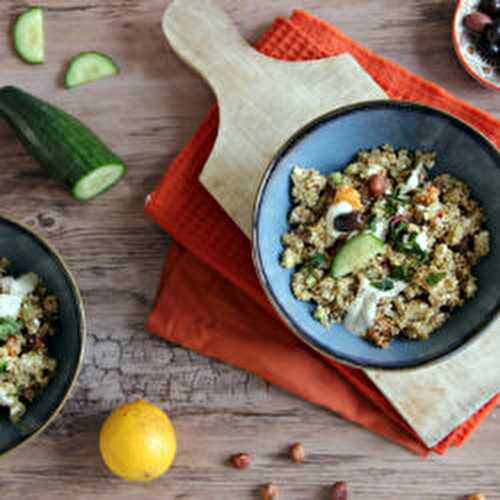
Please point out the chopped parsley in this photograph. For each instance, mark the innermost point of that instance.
(407, 243)
(384, 285)
(3, 366)
(372, 222)
(415, 249)
(8, 327)
(317, 260)
(397, 233)
(435, 278)
(400, 273)
(393, 203)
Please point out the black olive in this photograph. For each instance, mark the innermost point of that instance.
(488, 50)
(490, 7)
(350, 221)
(493, 32)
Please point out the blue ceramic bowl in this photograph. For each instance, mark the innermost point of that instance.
(29, 252)
(329, 144)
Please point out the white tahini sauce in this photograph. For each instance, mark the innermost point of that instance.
(413, 181)
(361, 315)
(343, 207)
(422, 241)
(381, 229)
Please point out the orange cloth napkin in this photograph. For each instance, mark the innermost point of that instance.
(204, 298)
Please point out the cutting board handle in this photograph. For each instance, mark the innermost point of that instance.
(205, 38)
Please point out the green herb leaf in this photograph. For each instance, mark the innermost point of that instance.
(372, 222)
(8, 327)
(391, 207)
(423, 256)
(396, 235)
(400, 229)
(317, 260)
(384, 285)
(3, 366)
(400, 273)
(412, 238)
(435, 278)
(393, 203)
(409, 246)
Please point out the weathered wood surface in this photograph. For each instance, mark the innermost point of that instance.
(146, 115)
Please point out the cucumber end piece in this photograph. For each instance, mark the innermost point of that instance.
(29, 36)
(89, 67)
(98, 181)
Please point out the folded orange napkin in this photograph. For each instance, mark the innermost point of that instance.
(209, 298)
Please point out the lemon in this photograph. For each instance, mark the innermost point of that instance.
(137, 441)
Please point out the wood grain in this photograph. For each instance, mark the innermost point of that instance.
(279, 97)
(146, 115)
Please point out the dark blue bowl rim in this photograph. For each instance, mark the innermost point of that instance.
(257, 258)
(82, 326)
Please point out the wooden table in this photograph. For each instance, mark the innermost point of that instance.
(116, 252)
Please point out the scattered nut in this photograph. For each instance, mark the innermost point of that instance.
(269, 492)
(477, 22)
(377, 184)
(476, 496)
(297, 453)
(339, 491)
(427, 195)
(241, 461)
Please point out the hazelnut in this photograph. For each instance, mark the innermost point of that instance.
(269, 492)
(339, 491)
(377, 184)
(297, 453)
(477, 22)
(241, 461)
(476, 496)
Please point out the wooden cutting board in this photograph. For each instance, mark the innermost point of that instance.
(262, 102)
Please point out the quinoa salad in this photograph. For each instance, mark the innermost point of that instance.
(28, 315)
(381, 246)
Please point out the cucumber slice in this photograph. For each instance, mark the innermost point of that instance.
(67, 149)
(28, 36)
(89, 67)
(355, 254)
